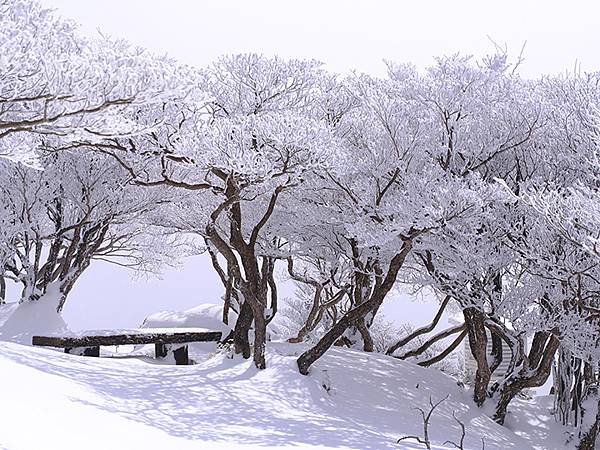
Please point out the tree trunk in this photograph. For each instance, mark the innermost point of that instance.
(227, 300)
(241, 342)
(368, 345)
(381, 289)
(2, 290)
(260, 337)
(496, 351)
(311, 355)
(505, 397)
(528, 376)
(475, 322)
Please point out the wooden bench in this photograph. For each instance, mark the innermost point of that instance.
(164, 340)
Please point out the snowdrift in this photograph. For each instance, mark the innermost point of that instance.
(351, 400)
(20, 321)
(207, 316)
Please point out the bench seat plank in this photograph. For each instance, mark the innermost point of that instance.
(128, 337)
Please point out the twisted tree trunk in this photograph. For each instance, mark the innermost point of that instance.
(253, 279)
(475, 323)
(533, 373)
(241, 340)
(381, 289)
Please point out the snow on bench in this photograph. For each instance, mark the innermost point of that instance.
(87, 343)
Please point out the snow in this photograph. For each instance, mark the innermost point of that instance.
(350, 400)
(130, 332)
(535, 421)
(20, 321)
(6, 311)
(207, 316)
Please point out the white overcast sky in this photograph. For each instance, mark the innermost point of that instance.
(345, 35)
(351, 34)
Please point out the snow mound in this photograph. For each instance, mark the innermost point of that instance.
(6, 311)
(350, 400)
(20, 321)
(205, 316)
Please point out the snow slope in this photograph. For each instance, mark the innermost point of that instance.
(351, 400)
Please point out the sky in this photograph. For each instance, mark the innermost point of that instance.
(351, 34)
(346, 35)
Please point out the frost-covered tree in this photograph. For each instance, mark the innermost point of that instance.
(519, 277)
(258, 138)
(392, 192)
(564, 204)
(56, 88)
(81, 207)
(55, 82)
(490, 122)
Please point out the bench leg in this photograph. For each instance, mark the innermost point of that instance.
(160, 350)
(181, 356)
(180, 353)
(84, 351)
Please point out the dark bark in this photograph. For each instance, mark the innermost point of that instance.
(527, 376)
(70, 253)
(475, 323)
(368, 345)
(227, 301)
(364, 279)
(254, 282)
(496, 351)
(538, 347)
(313, 354)
(359, 312)
(260, 337)
(241, 341)
(2, 290)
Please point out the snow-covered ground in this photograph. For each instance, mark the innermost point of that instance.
(351, 400)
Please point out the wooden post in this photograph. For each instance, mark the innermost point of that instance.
(160, 350)
(181, 356)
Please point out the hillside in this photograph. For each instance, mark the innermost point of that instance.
(351, 400)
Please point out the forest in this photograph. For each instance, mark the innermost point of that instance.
(465, 180)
